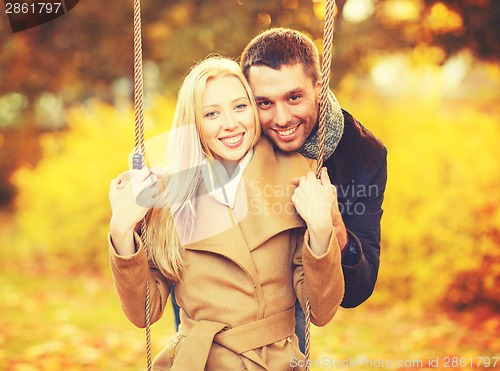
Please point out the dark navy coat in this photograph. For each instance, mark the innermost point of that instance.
(358, 168)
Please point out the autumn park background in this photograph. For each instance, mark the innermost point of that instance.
(423, 75)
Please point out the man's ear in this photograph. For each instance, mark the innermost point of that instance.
(318, 89)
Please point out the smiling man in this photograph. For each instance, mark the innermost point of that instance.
(287, 101)
(282, 66)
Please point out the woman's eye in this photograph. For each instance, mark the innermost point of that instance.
(209, 115)
(241, 106)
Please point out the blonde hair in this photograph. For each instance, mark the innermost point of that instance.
(185, 153)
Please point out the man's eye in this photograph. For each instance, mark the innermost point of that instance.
(264, 103)
(294, 97)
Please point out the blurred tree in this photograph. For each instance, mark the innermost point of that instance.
(370, 28)
(79, 55)
(459, 24)
(441, 222)
(83, 54)
(75, 57)
(62, 210)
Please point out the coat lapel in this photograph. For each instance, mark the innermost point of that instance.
(263, 208)
(269, 189)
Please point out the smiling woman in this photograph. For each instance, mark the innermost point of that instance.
(228, 126)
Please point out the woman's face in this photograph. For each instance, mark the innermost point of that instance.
(228, 123)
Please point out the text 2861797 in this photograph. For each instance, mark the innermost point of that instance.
(34, 8)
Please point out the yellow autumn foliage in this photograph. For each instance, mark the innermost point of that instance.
(62, 208)
(441, 223)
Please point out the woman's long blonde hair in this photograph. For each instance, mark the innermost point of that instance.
(186, 150)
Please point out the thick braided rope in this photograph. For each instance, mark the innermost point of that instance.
(326, 62)
(323, 104)
(138, 82)
(138, 159)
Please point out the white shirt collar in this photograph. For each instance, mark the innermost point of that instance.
(219, 185)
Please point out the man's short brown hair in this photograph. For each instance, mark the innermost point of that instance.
(280, 47)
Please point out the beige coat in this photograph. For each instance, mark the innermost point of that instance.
(239, 288)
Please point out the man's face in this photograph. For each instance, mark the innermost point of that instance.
(288, 103)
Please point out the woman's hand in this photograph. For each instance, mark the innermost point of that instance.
(314, 200)
(131, 195)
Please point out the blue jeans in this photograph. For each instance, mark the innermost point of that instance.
(300, 326)
(300, 320)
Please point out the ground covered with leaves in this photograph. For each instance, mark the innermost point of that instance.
(73, 321)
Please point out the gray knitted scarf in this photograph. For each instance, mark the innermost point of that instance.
(333, 133)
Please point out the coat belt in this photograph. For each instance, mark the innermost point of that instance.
(242, 340)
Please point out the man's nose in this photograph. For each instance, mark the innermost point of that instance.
(282, 115)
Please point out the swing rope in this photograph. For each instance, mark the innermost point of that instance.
(138, 84)
(326, 62)
(139, 155)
